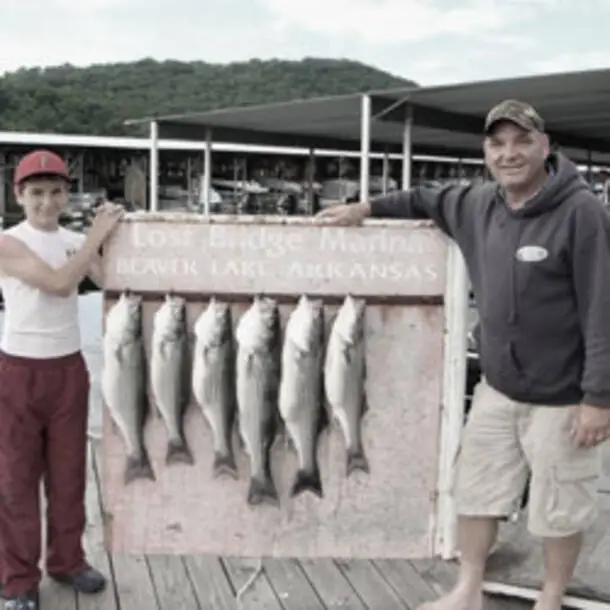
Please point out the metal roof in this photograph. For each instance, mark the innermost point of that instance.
(447, 120)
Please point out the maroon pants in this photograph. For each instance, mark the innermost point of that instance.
(43, 434)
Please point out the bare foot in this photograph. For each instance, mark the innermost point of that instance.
(459, 599)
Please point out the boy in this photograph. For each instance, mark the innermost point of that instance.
(44, 384)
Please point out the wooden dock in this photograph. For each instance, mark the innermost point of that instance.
(213, 583)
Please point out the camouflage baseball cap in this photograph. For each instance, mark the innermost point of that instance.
(517, 112)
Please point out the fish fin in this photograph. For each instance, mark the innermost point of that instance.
(138, 467)
(357, 460)
(178, 452)
(262, 491)
(224, 464)
(307, 481)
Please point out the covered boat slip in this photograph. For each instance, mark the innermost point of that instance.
(439, 120)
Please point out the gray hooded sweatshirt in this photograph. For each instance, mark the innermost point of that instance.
(541, 279)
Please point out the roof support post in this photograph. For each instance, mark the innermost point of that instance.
(365, 146)
(407, 145)
(3, 183)
(153, 167)
(385, 172)
(80, 172)
(207, 172)
(311, 178)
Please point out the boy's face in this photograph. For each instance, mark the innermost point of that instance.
(43, 200)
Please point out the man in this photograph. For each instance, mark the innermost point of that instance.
(537, 245)
(44, 384)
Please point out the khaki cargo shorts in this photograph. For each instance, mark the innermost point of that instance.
(503, 441)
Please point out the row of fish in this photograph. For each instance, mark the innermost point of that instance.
(249, 378)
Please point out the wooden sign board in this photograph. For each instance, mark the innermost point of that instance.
(400, 267)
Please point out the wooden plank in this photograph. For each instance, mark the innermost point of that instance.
(133, 585)
(442, 575)
(291, 585)
(54, 596)
(334, 589)
(93, 542)
(259, 594)
(211, 583)
(406, 581)
(172, 583)
(370, 585)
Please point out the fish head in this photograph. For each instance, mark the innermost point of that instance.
(350, 321)
(305, 329)
(170, 318)
(259, 327)
(269, 315)
(214, 324)
(124, 318)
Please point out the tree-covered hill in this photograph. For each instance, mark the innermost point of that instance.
(96, 99)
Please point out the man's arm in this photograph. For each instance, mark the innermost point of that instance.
(17, 260)
(591, 271)
(449, 206)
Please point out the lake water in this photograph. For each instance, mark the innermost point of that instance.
(90, 315)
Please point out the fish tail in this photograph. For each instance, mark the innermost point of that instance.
(178, 452)
(307, 480)
(224, 464)
(138, 466)
(357, 460)
(262, 490)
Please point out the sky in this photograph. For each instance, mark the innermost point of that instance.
(429, 41)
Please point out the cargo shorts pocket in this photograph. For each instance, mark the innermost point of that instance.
(571, 504)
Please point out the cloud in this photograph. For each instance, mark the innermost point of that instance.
(400, 21)
(52, 7)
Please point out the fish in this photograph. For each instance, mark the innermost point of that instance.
(170, 374)
(213, 381)
(345, 379)
(124, 380)
(301, 396)
(258, 371)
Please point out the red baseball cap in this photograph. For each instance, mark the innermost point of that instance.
(41, 163)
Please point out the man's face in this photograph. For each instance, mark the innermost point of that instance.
(515, 157)
(43, 200)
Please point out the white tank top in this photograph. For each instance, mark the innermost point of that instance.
(38, 324)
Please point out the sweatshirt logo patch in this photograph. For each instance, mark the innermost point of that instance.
(532, 254)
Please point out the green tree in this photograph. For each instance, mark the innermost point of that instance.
(97, 99)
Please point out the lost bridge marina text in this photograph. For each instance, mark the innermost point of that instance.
(260, 251)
